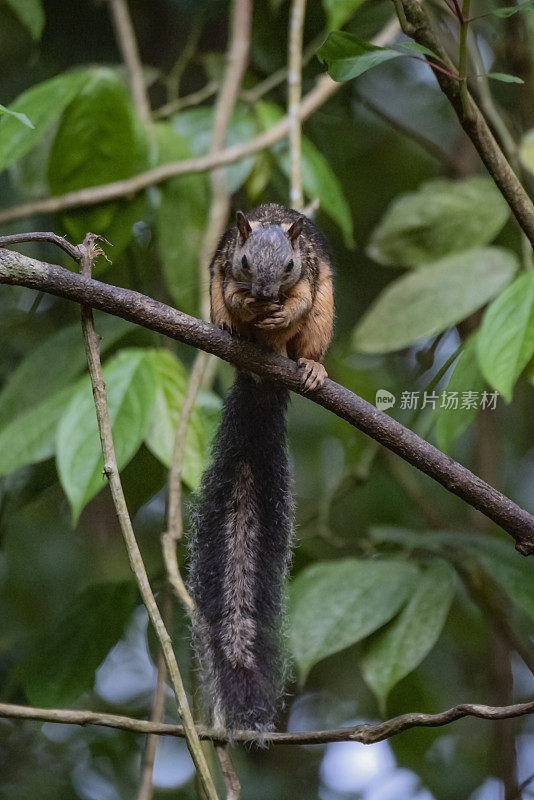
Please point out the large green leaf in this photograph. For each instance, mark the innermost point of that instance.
(181, 221)
(398, 649)
(335, 604)
(441, 217)
(196, 124)
(43, 104)
(455, 413)
(428, 301)
(53, 364)
(99, 140)
(514, 572)
(129, 379)
(62, 664)
(171, 382)
(318, 179)
(338, 11)
(505, 342)
(346, 56)
(31, 14)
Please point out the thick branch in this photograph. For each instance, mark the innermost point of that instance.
(125, 303)
(324, 88)
(367, 733)
(417, 25)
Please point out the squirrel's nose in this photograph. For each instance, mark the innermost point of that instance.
(265, 293)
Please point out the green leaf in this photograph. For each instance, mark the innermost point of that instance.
(504, 77)
(347, 57)
(452, 422)
(62, 664)
(505, 342)
(335, 604)
(129, 379)
(184, 199)
(43, 104)
(415, 47)
(394, 652)
(339, 11)
(99, 140)
(514, 573)
(21, 117)
(31, 14)
(196, 125)
(171, 382)
(63, 356)
(318, 179)
(526, 150)
(424, 303)
(507, 11)
(441, 217)
(30, 436)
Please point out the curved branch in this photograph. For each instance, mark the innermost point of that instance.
(366, 734)
(20, 270)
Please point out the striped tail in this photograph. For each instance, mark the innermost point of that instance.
(242, 530)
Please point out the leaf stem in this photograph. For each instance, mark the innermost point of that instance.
(462, 62)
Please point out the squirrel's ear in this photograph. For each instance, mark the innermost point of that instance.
(295, 230)
(243, 226)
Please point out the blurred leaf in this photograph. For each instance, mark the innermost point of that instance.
(415, 47)
(507, 11)
(526, 150)
(504, 77)
(171, 380)
(31, 14)
(505, 341)
(129, 379)
(62, 664)
(98, 141)
(181, 222)
(339, 11)
(346, 56)
(52, 365)
(43, 104)
(398, 649)
(21, 117)
(428, 301)
(318, 179)
(452, 422)
(441, 217)
(335, 604)
(515, 573)
(30, 436)
(196, 124)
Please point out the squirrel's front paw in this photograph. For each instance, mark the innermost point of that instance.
(313, 374)
(277, 318)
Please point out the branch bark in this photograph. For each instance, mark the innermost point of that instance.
(416, 24)
(366, 734)
(20, 270)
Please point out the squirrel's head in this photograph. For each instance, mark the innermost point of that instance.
(267, 260)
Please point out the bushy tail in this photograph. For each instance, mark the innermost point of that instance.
(242, 528)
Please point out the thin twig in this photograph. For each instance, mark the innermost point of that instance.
(323, 90)
(41, 236)
(127, 43)
(16, 269)
(294, 89)
(416, 24)
(89, 251)
(230, 777)
(366, 733)
(193, 99)
(462, 59)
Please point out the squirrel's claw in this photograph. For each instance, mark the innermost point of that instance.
(277, 318)
(313, 374)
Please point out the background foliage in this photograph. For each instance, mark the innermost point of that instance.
(397, 590)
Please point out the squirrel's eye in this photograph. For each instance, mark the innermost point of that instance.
(289, 266)
(244, 262)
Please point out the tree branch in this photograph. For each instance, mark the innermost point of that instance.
(416, 24)
(89, 251)
(294, 90)
(20, 270)
(366, 734)
(323, 90)
(127, 43)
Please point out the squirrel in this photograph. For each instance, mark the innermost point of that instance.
(271, 280)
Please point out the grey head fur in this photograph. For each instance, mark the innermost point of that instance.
(267, 260)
